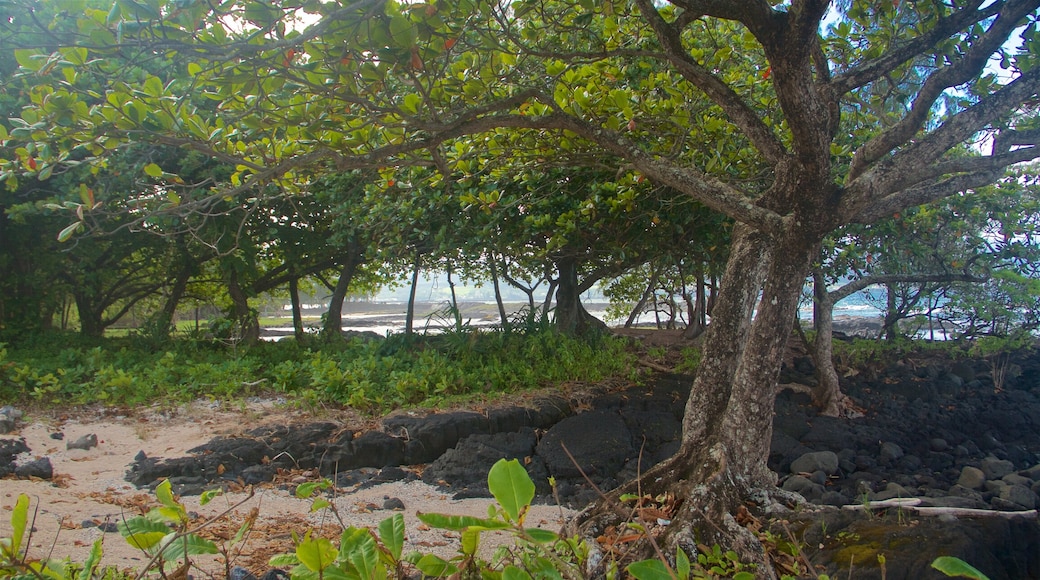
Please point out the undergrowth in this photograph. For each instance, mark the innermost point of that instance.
(375, 375)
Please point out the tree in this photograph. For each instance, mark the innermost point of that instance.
(378, 83)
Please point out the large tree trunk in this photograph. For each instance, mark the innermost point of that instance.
(827, 396)
(91, 317)
(502, 316)
(698, 313)
(334, 316)
(162, 324)
(297, 315)
(571, 316)
(727, 428)
(246, 323)
(409, 318)
(640, 306)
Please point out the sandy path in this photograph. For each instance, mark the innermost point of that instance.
(88, 488)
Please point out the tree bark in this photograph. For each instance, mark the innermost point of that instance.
(409, 319)
(297, 315)
(727, 426)
(502, 316)
(641, 305)
(826, 395)
(246, 323)
(334, 316)
(698, 314)
(571, 316)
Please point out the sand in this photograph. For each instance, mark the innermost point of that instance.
(88, 489)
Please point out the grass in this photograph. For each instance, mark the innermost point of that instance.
(371, 376)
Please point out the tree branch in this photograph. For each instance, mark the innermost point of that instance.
(874, 69)
(862, 283)
(968, 67)
(924, 194)
(746, 120)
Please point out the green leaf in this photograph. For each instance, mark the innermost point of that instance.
(743, 576)
(411, 103)
(542, 536)
(431, 565)
(28, 59)
(391, 533)
(359, 547)
(956, 567)
(511, 486)
(164, 492)
(283, 561)
(514, 573)
(65, 234)
(402, 30)
(316, 554)
(194, 69)
(446, 522)
(153, 170)
(682, 564)
(92, 561)
(208, 495)
(470, 541)
(190, 545)
(143, 533)
(19, 521)
(649, 570)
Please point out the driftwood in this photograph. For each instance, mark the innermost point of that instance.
(913, 505)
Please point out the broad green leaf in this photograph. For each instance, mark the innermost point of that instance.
(649, 570)
(28, 59)
(411, 103)
(682, 564)
(359, 547)
(194, 69)
(743, 576)
(188, 545)
(19, 521)
(391, 533)
(143, 533)
(470, 541)
(153, 170)
(164, 491)
(92, 561)
(446, 522)
(431, 565)
(514, 573)
(208, 495)
(542, 536)
(316, 554)
(511, 486)
(956, 567)
(68, 231)
(76, 55)
(283, 561)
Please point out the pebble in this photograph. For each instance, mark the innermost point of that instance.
(971, 478)
(85, 442)
(996, 468)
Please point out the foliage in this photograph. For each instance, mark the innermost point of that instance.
(955, 567)
(370, 375)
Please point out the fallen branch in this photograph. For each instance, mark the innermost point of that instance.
(655, 366)
(913, 505)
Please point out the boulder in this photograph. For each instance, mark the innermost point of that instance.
(825, 461)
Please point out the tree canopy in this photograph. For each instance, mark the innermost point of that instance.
(789, 118)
